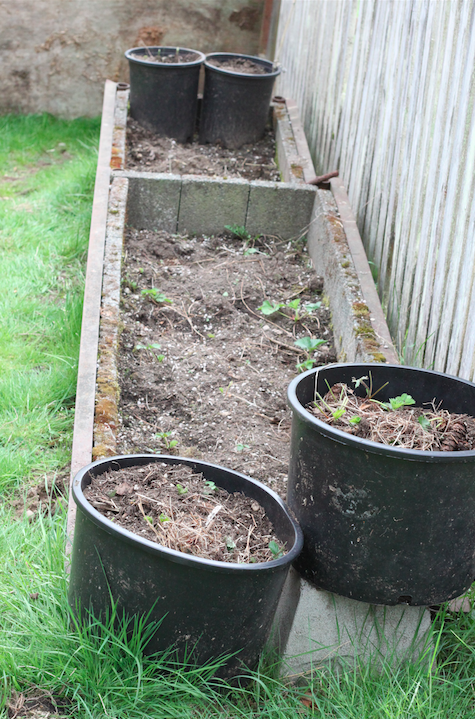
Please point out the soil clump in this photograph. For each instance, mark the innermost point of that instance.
(203, 372)
(179, 509)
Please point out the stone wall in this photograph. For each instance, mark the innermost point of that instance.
(56, 54)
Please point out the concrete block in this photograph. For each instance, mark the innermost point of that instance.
(278, 208)
(154, 200)
(207, 204)
(326, 628)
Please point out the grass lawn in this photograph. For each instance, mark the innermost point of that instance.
(47, 169)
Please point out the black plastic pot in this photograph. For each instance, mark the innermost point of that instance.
(163, 96)
(235, 104)
(382, 524)
(212, 607)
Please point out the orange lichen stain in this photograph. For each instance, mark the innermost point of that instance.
(102, 450)
(106, 412)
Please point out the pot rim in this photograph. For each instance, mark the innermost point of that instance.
(415, 455)
(172, 554)
(275, 70)
(130, 58)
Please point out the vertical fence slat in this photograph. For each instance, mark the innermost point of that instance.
(386, 92)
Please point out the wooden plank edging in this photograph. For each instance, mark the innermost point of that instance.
(86, 385)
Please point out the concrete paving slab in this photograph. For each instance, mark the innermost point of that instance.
(329, 629)
(154, 200)
(207, 205)
(278, 208)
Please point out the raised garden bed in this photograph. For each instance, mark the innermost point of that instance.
(191, 204)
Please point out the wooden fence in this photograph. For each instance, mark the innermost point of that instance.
(386, 89)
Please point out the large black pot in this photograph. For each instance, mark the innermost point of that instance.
(382, 524)
(235, 104)
(214, 607)
(164, 96)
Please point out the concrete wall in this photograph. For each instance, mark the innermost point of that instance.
(56, 54)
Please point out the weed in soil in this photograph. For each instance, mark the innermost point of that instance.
(178, 508)
(220, 391)
(395, 422)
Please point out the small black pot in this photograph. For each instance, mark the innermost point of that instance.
(214, 607)
(235, 104)
(382, 524)
(163, 96)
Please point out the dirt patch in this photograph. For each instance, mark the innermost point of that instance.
(148, 152)
(175, 507)
(37, 705)
(43, 497)
(203, 371)
(397, 422)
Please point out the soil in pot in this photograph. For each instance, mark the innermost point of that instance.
(182, 57)
(201, 366)
(200, 608)
(177, 508)
(240, 64)
(397, 422)
(164, 91)
(147, 151)
(384, 523)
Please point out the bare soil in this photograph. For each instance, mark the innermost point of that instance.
(179, 509)
(170, 59)
(428, 428)
(239, 64)
(149, 152)
(203, 372)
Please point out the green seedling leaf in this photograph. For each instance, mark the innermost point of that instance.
(401, 401)
(239, 231)
(269, 308)
(309, 344)
(241, 447)
(424, 422)
(360, 380)
(312, 306)
(163, 518)
(156, 295)
(338, 413)
(305, 365)
(275, 549)
(173, 443)
(230, 545)
(153, 346)
(210, 486)
(160, 358)
(181, 489)
(148, 519)
(140, 346)
(250, 251)
(355, 420)
(294, 304)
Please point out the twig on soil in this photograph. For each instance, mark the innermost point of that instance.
(185, 316)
